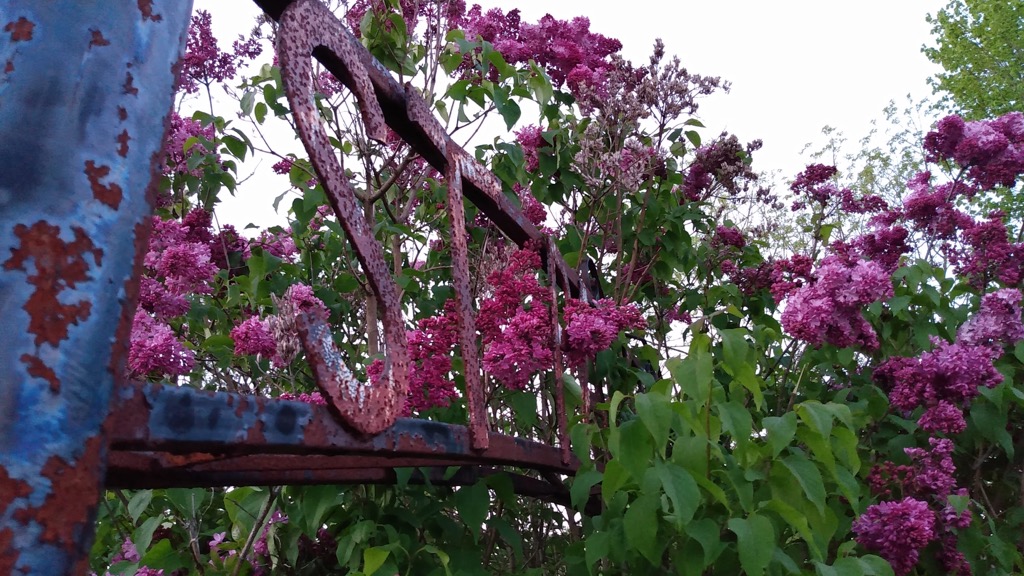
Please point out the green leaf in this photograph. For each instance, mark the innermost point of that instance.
(734, 348)
(595, 549)
(798, 522)
(247, 102)
(579, 493)
(991, 422)
(755, 541)
(635, 449)
(441, 555)
(236, 146)
(374, 558)
(472, 503)
(143, 535)
(681, 489)
(737, 422)
(615, 476)
(809, 477)
(656, 415)
(781, 431)
(138, 504)
(641, 525)
(260, 111)
(164, 556)
(510, 112)
(816, 416)
(709, 534)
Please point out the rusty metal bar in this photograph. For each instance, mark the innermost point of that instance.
(191, 423)
(475, 403)
(85, 88)
(398, 104)
(306, 26)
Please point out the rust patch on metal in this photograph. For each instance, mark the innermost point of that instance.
(122, 148)
(37, 369)
(307, 26)
(475, 401)
(58, 265)
(8, 553)
(9, 67)
(110, 195)
(21, 29)
(72, 496)
(146, 8)
(128, 87)
(11, 489)
(367, 408)
(98, 39)
(122, 113)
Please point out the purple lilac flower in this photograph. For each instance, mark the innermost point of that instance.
(897, 531)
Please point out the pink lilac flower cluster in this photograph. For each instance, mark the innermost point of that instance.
(279, 244)
(532, 208)
(828, 310)
(284, 167)
(253, 336)
(430, 356)
(302, 297)
(992, 151)
(155, 350)
(998, 323)
(204, 62)
(178, 264)
(987, 254)
(309, 398)
(816, 185)
(942, 381)
(720, 164)
(729, 236)
(129, 553)
(567, 49)
(178, 134)
(678, 314)
(530, 139)
(928, 482)
(515, 322)
(897, 531)
(593, 328)
(259, 557)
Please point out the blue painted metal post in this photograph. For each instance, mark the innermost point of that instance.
(85, 88)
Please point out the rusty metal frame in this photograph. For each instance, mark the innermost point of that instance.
(77, 181)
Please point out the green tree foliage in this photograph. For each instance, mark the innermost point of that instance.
(980, 46)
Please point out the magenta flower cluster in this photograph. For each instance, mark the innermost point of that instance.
(177, 265)
(828, 310)
(899, 529)
(992, 151)
(515, 322)
(253, 336)
(593, 328)
(314, 398)
(430, 356)
(178, 134)
(567, 49)
(204, 62)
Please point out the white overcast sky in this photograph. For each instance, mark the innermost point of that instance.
(795, 65)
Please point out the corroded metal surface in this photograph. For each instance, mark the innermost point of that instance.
(85, 89)
(309, 29)
(211, 428)
(467, 317)
(306, 26)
